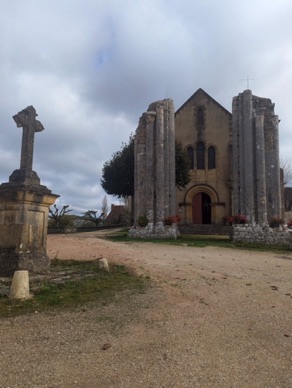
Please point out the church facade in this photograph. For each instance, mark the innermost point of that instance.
(234, 160)
(204, 128)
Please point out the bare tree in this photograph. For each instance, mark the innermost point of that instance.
(286, 168)
(104, 207)
(58, 215)
(91, 216)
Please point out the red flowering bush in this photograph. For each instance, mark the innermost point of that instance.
(237, 219)
(172, 220)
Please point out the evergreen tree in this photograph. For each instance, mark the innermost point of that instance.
(118, 173)
(182, 166)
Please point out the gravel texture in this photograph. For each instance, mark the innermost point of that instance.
(212, 318)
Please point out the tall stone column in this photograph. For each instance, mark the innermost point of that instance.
(273, 168)
(149, 189)
(247, 156)
(260, 168)
(155, 169)
(256, 170)
(235, 158)
(159, 173)
(170, 197)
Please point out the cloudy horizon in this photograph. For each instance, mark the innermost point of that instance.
(91, 68)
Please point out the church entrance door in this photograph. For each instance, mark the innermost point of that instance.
(201, 205)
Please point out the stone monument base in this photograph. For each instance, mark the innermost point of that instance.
(11, 261)
(23, 228)
(155, 231)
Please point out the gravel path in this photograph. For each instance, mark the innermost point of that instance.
(212, 318)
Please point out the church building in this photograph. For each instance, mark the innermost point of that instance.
(204, 127)
(234, 160)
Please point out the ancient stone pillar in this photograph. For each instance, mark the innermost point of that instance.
(272, 160)
(256, 170)
(260, 171)
(235, 158)
(247, 156)
(154, 145)
(160, 208)
(149, 189)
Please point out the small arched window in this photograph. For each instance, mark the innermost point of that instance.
(200, 156)
(190, 152)
(211, 158)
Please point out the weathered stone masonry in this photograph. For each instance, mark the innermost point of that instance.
(154, 144)
(256, 169)
(262, 235)
(24, 206)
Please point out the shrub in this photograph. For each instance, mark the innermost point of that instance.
(276, 222)
(65, 222)
(172, 220)
(289, 223)
(237, 219)
(142, 220)
(227, 220)
(240, 219)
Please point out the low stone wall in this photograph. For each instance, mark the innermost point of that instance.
(265, 235)
(154, 231)
(205, 229)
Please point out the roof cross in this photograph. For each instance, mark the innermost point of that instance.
(247, 79)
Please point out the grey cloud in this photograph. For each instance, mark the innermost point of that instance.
(91, 68)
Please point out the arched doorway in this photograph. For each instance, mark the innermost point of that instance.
(201, 205)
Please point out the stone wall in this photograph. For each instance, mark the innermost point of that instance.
(156, 231)
(205, 229)
(263, 235)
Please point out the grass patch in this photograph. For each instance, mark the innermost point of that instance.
(182, 240)
(72, 284)
(200, 241)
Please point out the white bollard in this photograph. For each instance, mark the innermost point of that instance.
(20, 285)
(103, 265)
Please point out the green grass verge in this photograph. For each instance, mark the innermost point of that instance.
(200, 241)
(72, 284)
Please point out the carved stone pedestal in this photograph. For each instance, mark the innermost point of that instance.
(23, 227)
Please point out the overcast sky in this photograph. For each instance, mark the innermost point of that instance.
(91, 68)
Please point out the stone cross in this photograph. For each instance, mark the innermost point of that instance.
(27, 120)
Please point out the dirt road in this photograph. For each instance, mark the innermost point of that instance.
(213, 318)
